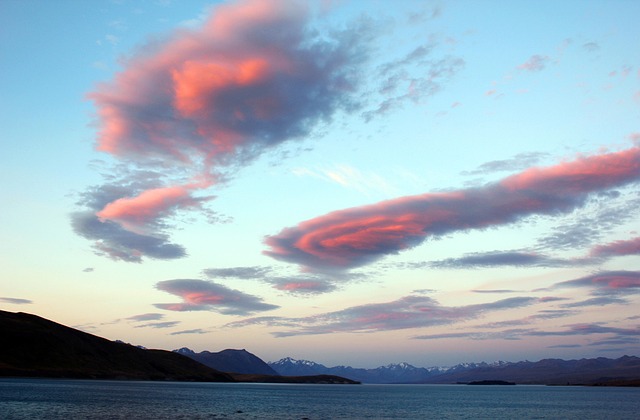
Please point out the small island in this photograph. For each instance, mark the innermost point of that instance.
(491, 382)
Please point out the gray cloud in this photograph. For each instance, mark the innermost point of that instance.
(165, 324)
(115, 242)
(16, 301)
(591, 46)
(604, 283)
(194, 331)
(597, 301)
(500, 291)
(564, 346)
(200, 295)
(145, 317)
(588, 329)
(502, 258)
(412, 79)
(248, 273)
(535, 63)
(299, 284)
(509, 334)
(604, 213)
(407, 312)
(518, 162)
(619, 335)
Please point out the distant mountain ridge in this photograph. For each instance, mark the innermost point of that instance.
(546, 371)
(230, 360)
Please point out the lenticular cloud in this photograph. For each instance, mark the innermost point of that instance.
(253, 76)
(203, 102)
(354, 237)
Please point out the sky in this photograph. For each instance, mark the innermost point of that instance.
(349, 182)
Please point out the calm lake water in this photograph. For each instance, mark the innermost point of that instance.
(77, 399)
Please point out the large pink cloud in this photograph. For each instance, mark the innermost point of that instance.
(201, 102)
(253, 74)
(354, 237)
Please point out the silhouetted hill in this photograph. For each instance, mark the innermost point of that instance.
(230, 360)
(36, 347)
(32, 346)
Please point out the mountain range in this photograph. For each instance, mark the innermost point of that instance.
(36, 347)
(600, 371)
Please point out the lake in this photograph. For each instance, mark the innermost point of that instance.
(73, 399)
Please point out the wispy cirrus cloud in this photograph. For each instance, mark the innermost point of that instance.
(588, 329)
(193, 331)
(597, 301)
(305, 284)
(145, 317)
(407, 312)
(489, 291)
(348, 177)
(503, 258)
(519, 162)
(355, 237)
(605, 283)
(626, 335)
(399, 85)
(249, 273)
(201, 295)
(164, 324)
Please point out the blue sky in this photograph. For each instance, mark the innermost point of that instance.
(345, 181)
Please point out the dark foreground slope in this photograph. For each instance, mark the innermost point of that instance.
(36, 347)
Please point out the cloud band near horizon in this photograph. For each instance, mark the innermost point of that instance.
(354, 237)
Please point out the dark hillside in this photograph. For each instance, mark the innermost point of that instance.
(36, 347)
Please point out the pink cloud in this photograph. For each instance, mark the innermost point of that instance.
(354, 237)
(617, 248)
(605, 283)
(534, 63)
(133, 213)
(200, 295)
(303, 287)
(252, 76)
(206, 100)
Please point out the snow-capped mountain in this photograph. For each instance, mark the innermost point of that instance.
(392, 373)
